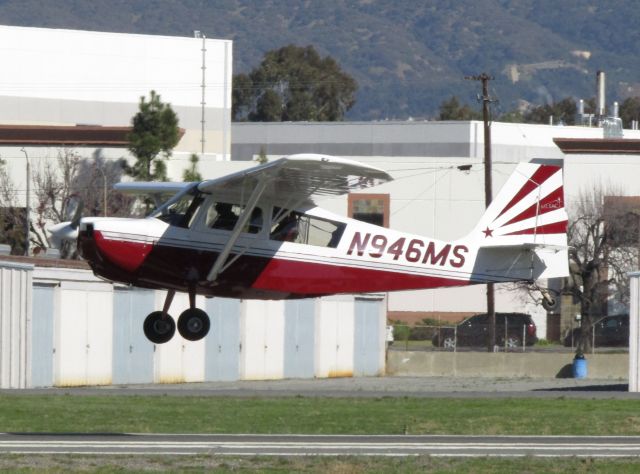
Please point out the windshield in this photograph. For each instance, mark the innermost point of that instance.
(180, 209)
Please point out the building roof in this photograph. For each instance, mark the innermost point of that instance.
(56, 135)
(599, 146)
(46, 262)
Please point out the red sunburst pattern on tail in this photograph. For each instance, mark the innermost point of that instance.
(543, 173)
(533, 205)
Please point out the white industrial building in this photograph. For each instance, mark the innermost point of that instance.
(431, 196)
(55, 77)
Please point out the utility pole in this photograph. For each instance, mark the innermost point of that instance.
(484, 78)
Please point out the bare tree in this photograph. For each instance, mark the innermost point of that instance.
(603, 248)
(55, 193)
(94, 186)
(12, 217)
(74, 181)
(58, 188)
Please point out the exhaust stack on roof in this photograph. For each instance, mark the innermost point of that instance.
(600, 96)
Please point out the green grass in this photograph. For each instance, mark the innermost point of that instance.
(117, 414)
(310, 464)
(161, 414)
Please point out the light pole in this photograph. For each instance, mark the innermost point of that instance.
(27, 204)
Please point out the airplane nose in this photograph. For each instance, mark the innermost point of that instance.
(64, 231)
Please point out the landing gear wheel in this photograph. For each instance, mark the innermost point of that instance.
(193, 324)
(159, 328)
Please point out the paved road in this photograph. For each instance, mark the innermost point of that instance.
(297, 445)
(459, 387)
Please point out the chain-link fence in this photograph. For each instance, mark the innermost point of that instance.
(454, 338)
(606, 333)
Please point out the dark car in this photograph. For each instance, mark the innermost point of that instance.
(473, 331)
(609, 331)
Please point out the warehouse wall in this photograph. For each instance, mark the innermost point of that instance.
(15, 324)
(85, 331)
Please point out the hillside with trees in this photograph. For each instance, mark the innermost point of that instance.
(406, 57)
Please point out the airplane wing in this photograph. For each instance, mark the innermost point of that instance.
(150, 187)
(299, 178)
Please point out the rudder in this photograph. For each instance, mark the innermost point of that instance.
(528, 210)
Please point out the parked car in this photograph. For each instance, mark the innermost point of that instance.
(611, 330)
(474, 331)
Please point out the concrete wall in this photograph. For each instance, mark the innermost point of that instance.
(484, 364)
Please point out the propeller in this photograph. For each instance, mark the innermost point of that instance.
(68, 230)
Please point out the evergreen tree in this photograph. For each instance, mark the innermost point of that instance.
(630, 110)
(155, 131)
(452, 110)
(262, 156)
(293, 83)
(562, 112)
(192, 173)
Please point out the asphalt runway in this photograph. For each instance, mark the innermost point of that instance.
(437, 387)
(314, 445)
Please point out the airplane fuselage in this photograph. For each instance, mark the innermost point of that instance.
(153, 254)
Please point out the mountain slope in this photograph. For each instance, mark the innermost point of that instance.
(406, 56)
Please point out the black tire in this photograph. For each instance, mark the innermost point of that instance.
(159, 329)
(193, 324)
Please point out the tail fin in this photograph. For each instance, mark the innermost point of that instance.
(522, 235)
(528, 210)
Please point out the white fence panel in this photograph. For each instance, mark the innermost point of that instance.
(84, 334)
(262, 330)
(634, 334)
(179, 360)
(335, 336)
(15, 319)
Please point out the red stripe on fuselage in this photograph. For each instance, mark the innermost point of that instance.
(125, 254)
(320, 279)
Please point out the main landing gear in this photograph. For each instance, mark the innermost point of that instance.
(193, 323)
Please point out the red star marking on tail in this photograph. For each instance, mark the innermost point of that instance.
(487, 233)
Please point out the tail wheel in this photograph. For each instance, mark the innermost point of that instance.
(193, 324)
(159, 328)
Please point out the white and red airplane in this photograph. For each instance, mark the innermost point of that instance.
(257, 234)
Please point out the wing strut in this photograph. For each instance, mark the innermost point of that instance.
(217, 267)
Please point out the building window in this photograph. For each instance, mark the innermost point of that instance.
(371, 208)
(622, 218)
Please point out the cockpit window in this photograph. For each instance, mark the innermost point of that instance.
(180, 210)
(293, 226)
(224, 215)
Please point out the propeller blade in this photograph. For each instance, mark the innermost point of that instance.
(62, 232)
(77, 215)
